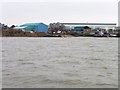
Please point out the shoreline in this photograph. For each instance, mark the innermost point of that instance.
(63, 36)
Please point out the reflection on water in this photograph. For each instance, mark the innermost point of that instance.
(60, 62)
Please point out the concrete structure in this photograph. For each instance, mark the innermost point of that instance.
(34, 27)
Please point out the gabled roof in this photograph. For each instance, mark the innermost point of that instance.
(32, 24)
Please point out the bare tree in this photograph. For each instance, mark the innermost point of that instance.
(55, 27)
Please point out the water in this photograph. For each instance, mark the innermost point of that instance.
(71, 62)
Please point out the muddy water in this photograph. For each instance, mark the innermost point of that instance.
(74, 62)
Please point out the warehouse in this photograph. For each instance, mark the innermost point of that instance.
(33, 27)
(77, 27)
(92, 25)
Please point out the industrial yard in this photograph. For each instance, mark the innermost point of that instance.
(61, 30)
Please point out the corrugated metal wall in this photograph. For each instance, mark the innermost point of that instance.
(36, 27)
(42, 28)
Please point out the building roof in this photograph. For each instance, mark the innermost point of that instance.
(37, 27)
(89, 23)
(32, 24)
(19, 27)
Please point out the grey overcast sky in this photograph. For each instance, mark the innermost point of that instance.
(48, 11)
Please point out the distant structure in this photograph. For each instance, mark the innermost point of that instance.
(119, 13)
(106, 26)
(33, 27)
(89, 27)
(3, 27)
(93, 25)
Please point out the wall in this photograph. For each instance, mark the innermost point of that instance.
(42, 28)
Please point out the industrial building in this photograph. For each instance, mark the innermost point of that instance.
(33, 27)
(79, 26)
(92, 25)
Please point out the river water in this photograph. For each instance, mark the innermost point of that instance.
(55, 62)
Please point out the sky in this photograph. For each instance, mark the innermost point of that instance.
(17, 12)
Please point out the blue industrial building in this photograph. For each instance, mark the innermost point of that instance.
(34, 27)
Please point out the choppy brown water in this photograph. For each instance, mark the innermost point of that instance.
(72, 62)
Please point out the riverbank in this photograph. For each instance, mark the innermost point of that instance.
(19, 33)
